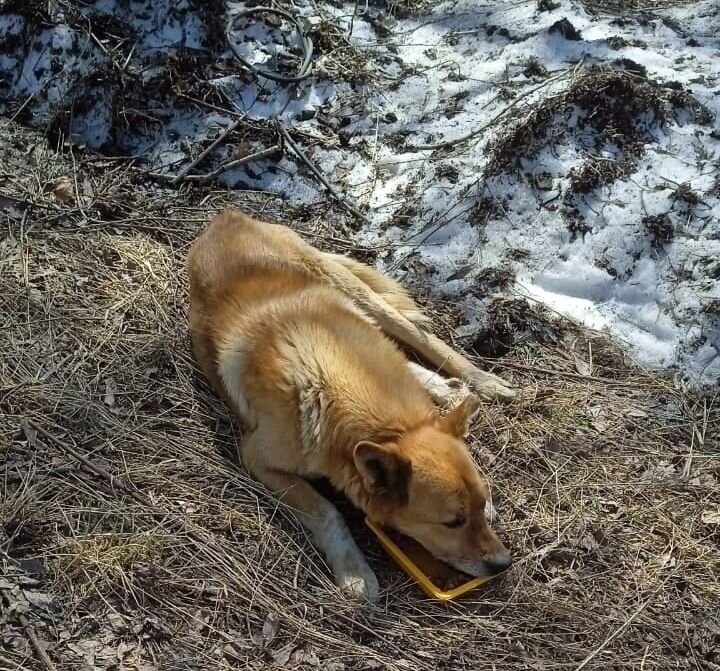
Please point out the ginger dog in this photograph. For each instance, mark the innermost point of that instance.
(298, 343)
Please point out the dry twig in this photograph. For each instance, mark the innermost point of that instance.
(315, 171)
(204, 153)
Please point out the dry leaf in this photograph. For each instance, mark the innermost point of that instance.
(30, 433)
(587, 542)
(85, 649)
(110, 389)
(38, 599)
(310, 658)
(117, 622)
(241, 150)
(636, 412)
(582, 367)
(335, 666)
(598, 418)
(64, 189)
(282, 657)
(599, 426)
(609, 505)
(187, 507)
(123, 649)
(297, 657)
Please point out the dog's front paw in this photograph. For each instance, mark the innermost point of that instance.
(358, 583)
(489, 386)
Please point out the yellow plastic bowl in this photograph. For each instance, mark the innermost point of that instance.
(423, 565)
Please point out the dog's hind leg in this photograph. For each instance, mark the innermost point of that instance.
(387, 288)
(331, 535)
(446, 392)
(404, 330)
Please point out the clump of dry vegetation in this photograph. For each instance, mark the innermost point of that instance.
(337, 58)
(130, 536)
(625, 6)
(612, 108)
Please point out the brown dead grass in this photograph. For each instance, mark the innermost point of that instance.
(626, 6)
(614, 104)
(604, 476)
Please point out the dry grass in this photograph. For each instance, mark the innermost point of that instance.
(616, 105)
(626, 6)
(604, 482)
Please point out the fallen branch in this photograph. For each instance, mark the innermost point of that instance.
(29, 428)
(221, 138)
(36, 643)
(446, 144)
(562, 373)
(257, 156)
(210, 176)
(316, 171)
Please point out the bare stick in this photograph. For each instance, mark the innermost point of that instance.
(299, 153)
(36, 643)
(208, 177)
(258, 155)
(477, 131)
(562, 373)
(28, 426)
(221, 138)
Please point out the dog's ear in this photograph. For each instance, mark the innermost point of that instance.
(384, 472)
(458, 420)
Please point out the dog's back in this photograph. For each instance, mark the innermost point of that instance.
(261, 290)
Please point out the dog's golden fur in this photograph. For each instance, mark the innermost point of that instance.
(296, 342)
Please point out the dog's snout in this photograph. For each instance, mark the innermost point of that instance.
(498, 561)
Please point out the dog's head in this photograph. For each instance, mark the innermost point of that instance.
(426, 485)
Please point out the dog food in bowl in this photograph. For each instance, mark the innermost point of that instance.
(436, 578)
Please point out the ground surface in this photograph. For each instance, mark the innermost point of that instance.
(130, 539)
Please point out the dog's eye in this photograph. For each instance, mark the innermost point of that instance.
(455, 523)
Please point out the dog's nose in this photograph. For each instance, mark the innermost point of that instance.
(499, 561)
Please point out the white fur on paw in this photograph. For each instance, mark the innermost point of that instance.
(447, 392)
(455, 383)
(352, 573)
(491, 386)
(359, 587)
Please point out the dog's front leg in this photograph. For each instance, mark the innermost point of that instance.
(445, 358)
(330, 532)
(331, 535)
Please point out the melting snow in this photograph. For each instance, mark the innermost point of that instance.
(469, 68)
